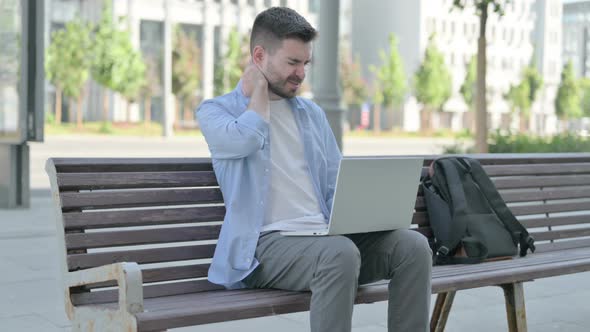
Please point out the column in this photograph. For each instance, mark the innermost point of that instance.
(208, 44)
(168, 117)
(326, 90)
(14, 176)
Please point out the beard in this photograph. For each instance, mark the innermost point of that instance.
(280, 88)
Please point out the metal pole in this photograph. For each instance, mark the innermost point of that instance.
(168, 117)
(208, 50)
(14, 178)
(326, 90)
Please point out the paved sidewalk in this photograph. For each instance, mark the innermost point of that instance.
(31, 297)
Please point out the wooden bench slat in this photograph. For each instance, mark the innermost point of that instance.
(529, 260)
(537, 169)
(556, 221)
(141, 256)
(144, 217)
(541, 181)
(149, 291)
(94, 181)
(94, 165)
(560, 234)
(549, 208)
(420, 204)
(514, 274)
(213, 297)
(426, 231)
(420, 218)
(143, 236)
(275, 304)
(537, 195)
(139, 198)
(168, 273)
(175, 272)
(562, 245)
(529, 158)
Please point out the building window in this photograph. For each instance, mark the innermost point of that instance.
(555, 8)
(10, 62)
(552, 68)
(430, 25)
(553, 37)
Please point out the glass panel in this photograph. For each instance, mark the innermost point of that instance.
(152, 47)
(10, 59)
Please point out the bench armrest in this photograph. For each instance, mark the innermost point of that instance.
(128, 278)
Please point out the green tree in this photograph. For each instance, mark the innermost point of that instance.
(152, 86)
(104, 61)
(390, 81)
(469, 86)
(482, 8)
(229, 69)
(518, 97)
(131, 78)
(567, 100)
(186, 72)
(584, 85)
(432, 83)
(522, 96)
(116, 64)
(67, 65)
(534, 80)
(353, 85)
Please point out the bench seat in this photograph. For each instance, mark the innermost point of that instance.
(224, 305)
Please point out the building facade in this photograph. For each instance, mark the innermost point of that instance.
(208, 21)
(576, 36)
(547, 40)
(511, 40)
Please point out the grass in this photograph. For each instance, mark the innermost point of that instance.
(155, 129)
(114, 129)
(398, 133)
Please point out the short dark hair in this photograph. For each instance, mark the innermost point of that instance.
(277, 24)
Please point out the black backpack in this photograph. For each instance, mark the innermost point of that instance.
(470, 220)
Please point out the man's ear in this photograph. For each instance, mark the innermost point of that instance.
(258, 54)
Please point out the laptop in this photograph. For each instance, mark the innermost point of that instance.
(372, 194)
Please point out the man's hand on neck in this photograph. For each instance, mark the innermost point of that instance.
(255, 86)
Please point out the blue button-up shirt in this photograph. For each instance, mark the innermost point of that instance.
(239, 142)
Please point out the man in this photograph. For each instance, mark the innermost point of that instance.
(276, 160)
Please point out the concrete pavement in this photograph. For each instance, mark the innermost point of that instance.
(31, 297)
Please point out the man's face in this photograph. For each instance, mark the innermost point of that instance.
(285, 68)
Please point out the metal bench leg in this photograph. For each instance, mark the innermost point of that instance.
(442, 308)
(515, 309)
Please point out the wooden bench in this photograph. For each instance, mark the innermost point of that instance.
(137, 236)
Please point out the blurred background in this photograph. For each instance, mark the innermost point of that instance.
(488, 75)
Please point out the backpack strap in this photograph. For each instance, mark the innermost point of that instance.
(518, 231)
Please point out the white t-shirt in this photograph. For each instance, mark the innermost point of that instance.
(292, 201)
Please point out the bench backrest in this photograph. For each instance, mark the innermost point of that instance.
(166, 214)
(548, 193)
